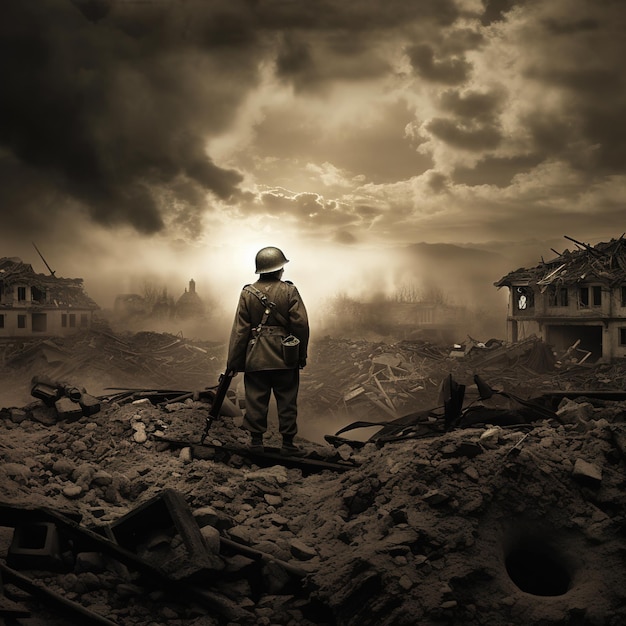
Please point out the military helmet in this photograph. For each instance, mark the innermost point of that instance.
(269, 259)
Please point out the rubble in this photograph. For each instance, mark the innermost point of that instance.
(480, 524)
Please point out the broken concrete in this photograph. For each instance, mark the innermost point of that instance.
(430, 531)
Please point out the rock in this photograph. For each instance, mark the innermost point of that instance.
(586, 473)
(490, 437)
(273, 500)
(15, 470)
(206, 516)
(274, 474)
(212, 538)
(72, 491)
(63, 467)
(185, 455)
(571, 412)
(472, 472)
(241, 534)
(275, 577)
(139, 436)
(301, 551)
(469, 449)
(16, 415)
(405, 582)
(45, 415)
(101, 478)
(89, 562)
(67, 409)
(278, 520)
(435, 497)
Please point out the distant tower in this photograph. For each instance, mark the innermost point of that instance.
(190, 304)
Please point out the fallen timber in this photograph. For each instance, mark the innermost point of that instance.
(55, 600)
(271, 456)
(451, 415)
(87, 539)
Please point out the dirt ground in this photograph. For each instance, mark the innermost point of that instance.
(489, 524)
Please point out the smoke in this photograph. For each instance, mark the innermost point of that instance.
(111, 116)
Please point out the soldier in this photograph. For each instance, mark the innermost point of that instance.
(270, 314)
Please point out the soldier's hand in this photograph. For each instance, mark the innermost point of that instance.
(302, 364)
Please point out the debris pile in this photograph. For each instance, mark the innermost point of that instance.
(605, 261)
(144, 358)
(120, 516)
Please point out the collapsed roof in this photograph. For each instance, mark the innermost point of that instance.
(604, 263)
(60, 291)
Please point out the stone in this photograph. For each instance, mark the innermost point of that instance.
(89, 562)
(45, 415)
(139, 436)
(490, 437)
(17, 416)
(273, 500)
(301, 551)
(587, 473)
(405, 582)
(72, 491)
(185, 455)
(63, 467)
(211, 538)
(206, 516)
(102, 478)
(15, 470)
(435, 497)
(571, 412)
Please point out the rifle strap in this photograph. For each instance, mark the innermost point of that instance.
(270, 308)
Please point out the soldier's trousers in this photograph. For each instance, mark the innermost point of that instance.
(259, 386)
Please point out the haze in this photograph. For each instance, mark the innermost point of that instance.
(166, 140)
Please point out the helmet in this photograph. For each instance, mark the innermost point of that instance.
(269, 259)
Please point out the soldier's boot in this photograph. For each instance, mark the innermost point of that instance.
(256, 443)
(289, 448)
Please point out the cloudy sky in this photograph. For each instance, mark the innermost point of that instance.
(176, 137)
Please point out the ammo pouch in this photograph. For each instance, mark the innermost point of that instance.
(291, 351)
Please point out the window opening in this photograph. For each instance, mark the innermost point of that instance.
(597, 295)
(558, 296)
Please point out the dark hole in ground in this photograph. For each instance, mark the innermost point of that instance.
(537, 570)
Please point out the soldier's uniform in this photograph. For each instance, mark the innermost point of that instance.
(259, 354)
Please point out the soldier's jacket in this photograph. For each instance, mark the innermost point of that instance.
(267, 353)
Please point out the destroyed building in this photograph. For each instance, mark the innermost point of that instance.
(190, 304)
(34, 304)
(577, 299)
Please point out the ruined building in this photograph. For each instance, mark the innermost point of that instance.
(577, 299)
(34, 304)
(190, 304)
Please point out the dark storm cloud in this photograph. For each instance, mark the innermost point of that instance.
(473, 138)
(495, 10)
(472, 104)
(497, 171)
(448, 71)
(312, 65)
(105, 118)
(567, 27)
(437, 182)
(365, 15)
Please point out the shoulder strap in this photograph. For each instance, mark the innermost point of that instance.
(270, 307)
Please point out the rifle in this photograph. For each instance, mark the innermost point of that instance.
(220, 394)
